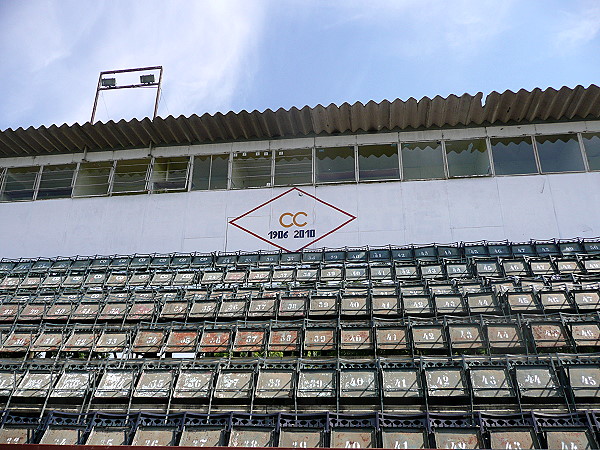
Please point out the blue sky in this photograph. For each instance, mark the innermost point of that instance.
(227, 55)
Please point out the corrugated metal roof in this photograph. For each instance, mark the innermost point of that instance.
(499, 108)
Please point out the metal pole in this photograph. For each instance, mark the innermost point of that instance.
(157, 93)
(96, 99)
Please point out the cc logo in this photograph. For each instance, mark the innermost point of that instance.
(293, 220)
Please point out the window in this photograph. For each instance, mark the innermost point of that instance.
(422, 160)
(56, 181)
(293, 167)
(19, 183)
(92, 179)
(251, 169)
(210, 172)
(378, 162)
(170, 174)
(513, 156)
(335, 164)
(559, 153)
(467, 158)
(591, 142)
(130, 175)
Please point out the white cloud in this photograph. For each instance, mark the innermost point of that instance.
(578, 26)
(56, 50)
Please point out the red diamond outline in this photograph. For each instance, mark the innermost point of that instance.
(352, 217)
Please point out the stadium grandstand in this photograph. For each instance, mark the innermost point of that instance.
(405, 274)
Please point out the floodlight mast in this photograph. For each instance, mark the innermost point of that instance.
(147, 80)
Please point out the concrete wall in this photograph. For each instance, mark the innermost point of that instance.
(517, 208)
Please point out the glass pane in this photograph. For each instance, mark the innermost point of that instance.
(169, 174)
(218, 171)
(335, 164)
(92, 179)
(513, 156)
(19, 183)
(591, 142)
(56, 181)
(559, 153)
(466, 158)
(378, 162)
(251, 169)
(422, 160)
(293, 167)
(130, 175)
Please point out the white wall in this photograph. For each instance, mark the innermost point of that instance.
(516, 208)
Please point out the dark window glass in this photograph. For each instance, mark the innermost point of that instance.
(591, 142)
(19, 183)
(210, 172)
(335, 164)
(56, 181)
(513, 156)
(559, 153)
(92, 179)
(130, 175)
(467, 158)
(422, 160)
(293, 167)
(251, 169)
(378, 162)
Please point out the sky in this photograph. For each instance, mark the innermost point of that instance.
(230, 55)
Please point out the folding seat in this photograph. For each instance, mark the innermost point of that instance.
(586, 334)
(301, 437)
(291, 258)
(400, 381)
(227, 259)
(148, 341)
(358, 437)
(334, 256)
(269, 259)
(515, 267)
(60, 435)
(465, 336)
(570, 248)
(428, 337)
(491, 383)
(546, 248)
(383, 255)
(161, 262)
(537, 381)
(407, 271)
(200, 261)
(522, 250)
(356, 305)
(305, 275)
(275, 383)
(120, 262)
(251, 437)
(522, 438)
(584, 380)
(416, 304)
(81, 340)
(549, 335)
(112, 342)
(153, 436)
(16, 434)
(194, 383)
(320, 337)
(475, 250)
(162, 278)
(259, 276)
(591, 246)
(72, 384)
(430, 270)
(182, 341)
(248, 259)
(426, 253)
(541, 266)
(457, 438)
(356, 256)
(180, 262)
(234, 383)
(403, 254)
(356, 337)
(522, 302)
(212, 277)
(456, 269)
(35, 384)
(482, 303)
(499, 249)
(50, 340)
(217, 340)
(61, 265)
(293, 306)
(449, 251)
(155, 383)
(115, 384)
(569, 438)
(284, 339)
(404, 437)
(358, 381)
(384, 305)
(486, 267)
(100, 263)
(504, 335)
(448, 303)
(445, 381)
(250, 340)
(323, 306)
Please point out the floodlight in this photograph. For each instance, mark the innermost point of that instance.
(109, 82)
(147, 79)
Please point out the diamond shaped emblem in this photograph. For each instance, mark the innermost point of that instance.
(293, 220)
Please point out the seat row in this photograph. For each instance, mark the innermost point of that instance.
(295, 384)
(503, 249)
(525, 431)
(525, 334)
(198, 305)
(355, 273)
